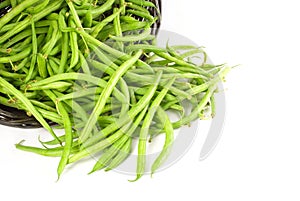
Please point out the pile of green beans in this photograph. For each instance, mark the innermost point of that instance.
(92, 67)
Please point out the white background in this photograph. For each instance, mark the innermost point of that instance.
(257, 157)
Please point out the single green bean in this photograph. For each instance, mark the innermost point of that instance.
(74, 45)
(34, 52)
(98, 11)
(41, 63)
(53, 65)
(11, 75)
(68, 139)
(53, 152)
(145, 3)
(64, 53)
(146, 16)
(133, 38)
(169, 138)
(20, 65)
(88, 19)
(53, 85)
(17, 57)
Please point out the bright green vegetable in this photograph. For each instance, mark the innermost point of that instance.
(93, 69)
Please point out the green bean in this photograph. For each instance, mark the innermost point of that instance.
(146, 48)
(88, 19)
(38, 8)
(202, 103)
(117, 26)
(4, 4)
(110, 64)
(136, 109)
(107, 119)
(121, 156)
(201, 88)
(100, 145)
(24, 34)
(42, 68)
(52, 17)
(103, 161)
(40, 40)
(62, 23)
(128, 19)
(141, 163)
(142, 3)
(64, 53)
(53, 65)
(173, 52)
(71, 76)
(26, 22)
(34, 53)
(84, 64)
(51, 43)
(98, 11)
(43, 23)
(42, 105)
(106, 93)
(111, 152)
(125, 91)
(17, 57)
(132, 38)
(62, 139)
(102, 67)
(191, 53)
(213, 106)
(49, 69)
(28, 105)
(53, 85)
(11, 75)
(146, 16)
(53, 152)
(184, 47)
(114, 52)
(132, 97)
(81, 93)
(73, 11)
(109, 29)
(52, 116)
(169, 137)
(74, 45)
(16, 11)
(20, 65)
(103, 23)
(68, 139)
(57, 49)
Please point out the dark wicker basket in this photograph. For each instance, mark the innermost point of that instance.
(17, 118)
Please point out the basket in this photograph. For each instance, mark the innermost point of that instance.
(16, 118)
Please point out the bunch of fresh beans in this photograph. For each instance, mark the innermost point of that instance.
(92, 68)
